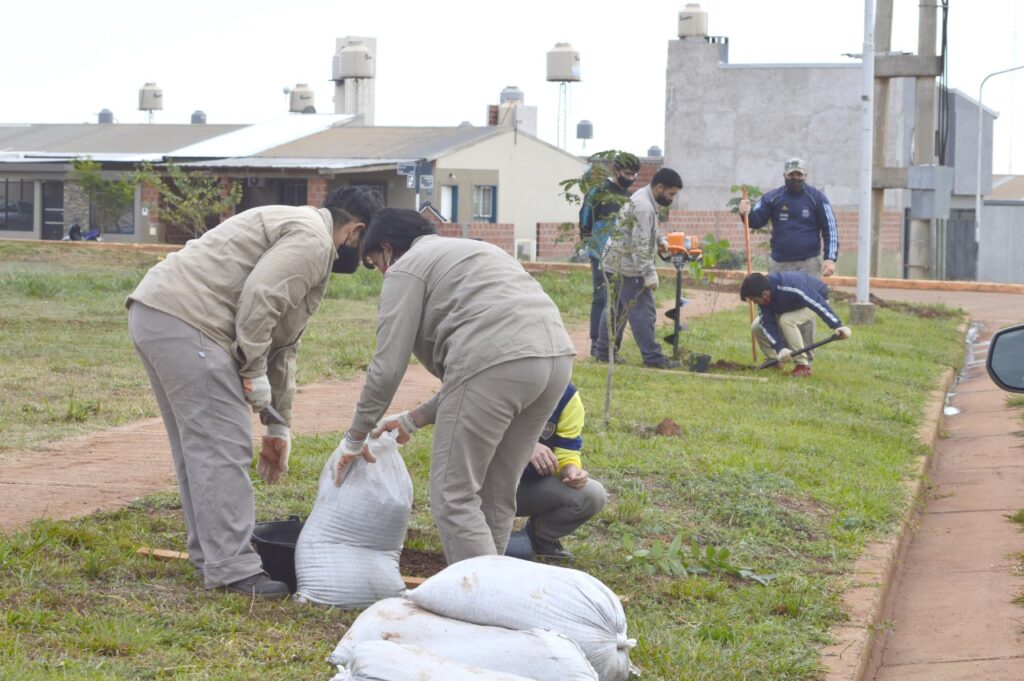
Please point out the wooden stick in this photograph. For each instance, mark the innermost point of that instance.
(412, 582)
(162, 554)
(746, 238)
(725, 377)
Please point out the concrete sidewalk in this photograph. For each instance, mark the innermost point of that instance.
(950, 612)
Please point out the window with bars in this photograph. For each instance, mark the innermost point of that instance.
(485, 207)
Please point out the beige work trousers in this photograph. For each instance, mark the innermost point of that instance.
(797, 329)
(209, 425)
(483, 438)
(811, 266)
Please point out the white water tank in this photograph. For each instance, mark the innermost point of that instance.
(512, 94)
(151, 98)
(300, 97)
(563, 64)
(693, 21)
(354, 61)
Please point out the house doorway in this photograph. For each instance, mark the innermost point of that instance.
(53, 211)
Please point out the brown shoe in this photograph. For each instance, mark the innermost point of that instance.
(801, 370)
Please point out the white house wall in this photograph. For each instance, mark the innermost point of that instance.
(529, 172)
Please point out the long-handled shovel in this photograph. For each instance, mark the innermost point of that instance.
(746, 238)
(773, 362)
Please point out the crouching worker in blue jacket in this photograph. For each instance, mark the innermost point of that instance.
(789, 300)
(555, 491)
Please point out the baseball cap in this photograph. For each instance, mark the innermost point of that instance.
(795, 165)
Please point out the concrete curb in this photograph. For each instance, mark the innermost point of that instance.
(856, 654)
(876, 282)
(536, 267)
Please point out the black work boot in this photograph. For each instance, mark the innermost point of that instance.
(260, 585)
(664, 363)
(546, 550)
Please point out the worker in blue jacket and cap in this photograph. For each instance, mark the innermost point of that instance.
(789, 302)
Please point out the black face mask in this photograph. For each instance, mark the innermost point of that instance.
(625, 182)
(664, 200)
(348, 260)
(794, 185)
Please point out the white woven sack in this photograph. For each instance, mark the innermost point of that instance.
(347, 553)
(535, 653)
(518, 594)
(386, 661)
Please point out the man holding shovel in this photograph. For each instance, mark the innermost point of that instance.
(789, 301)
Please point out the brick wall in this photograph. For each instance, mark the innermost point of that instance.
(316, 190)
(555, 243)
(726, 225)
(501, 235)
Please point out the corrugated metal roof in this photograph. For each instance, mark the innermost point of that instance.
(118, 138)
(280, 163)
(253, 139)
(382, 143)
(1007, 188)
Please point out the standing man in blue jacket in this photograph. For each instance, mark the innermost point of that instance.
(600, 207)
(802, 221)
(789, 302)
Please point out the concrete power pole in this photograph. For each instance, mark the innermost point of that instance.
(883, 44)
(920, 256)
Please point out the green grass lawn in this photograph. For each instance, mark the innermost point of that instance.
(792, 477)
(68, 366)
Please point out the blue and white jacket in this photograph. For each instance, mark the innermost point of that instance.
(800, 224)
(792, 291)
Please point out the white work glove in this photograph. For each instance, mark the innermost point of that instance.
(651, 280)
(258, 392)
(744, 207)
(403, 421)
(274, 451)
(349, 448)
(843, 332)
(785, 355)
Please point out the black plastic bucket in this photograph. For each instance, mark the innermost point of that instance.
(700, 363)
(275, 543)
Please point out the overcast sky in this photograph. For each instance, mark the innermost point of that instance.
(443, 62)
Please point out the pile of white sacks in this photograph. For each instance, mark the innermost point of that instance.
(491, 618)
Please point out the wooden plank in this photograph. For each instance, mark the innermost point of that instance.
(162, 554)
(412, 582)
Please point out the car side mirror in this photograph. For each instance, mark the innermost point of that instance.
(1005, 363)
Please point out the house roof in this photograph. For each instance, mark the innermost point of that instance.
(142, 142)
(382, 143)
(120, 139)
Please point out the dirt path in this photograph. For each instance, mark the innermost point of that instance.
(106, 470)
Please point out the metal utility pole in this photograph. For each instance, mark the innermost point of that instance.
(863, 311)
(883, 44)
(920, 260)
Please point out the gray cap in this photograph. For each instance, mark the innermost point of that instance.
(795, 165)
